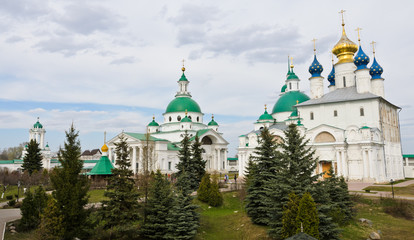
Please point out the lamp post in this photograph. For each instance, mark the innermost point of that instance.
(392, 187)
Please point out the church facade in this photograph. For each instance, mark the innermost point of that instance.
(158, 147)
(353, 127)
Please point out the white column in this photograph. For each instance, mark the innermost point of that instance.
(372, 166)
(134, 159)
(218, 159)
(110, 154)
(338, 163)
(365, 164)
(42, 140)
(141, 160)
(345, 167)
(225, 158)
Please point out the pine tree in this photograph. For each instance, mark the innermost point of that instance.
(259, 176)
(52, 223)
(184, 220)
(338, 192)
(32, 208)
(307, 216)
(215, 198)
(71, 187)
(199, 165)
(120, 212)
(184, 180)
(158, 207)
(204, 188)
(290, 213)
(32, 161)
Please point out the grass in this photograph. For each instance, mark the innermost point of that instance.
(96, 195)
(228, 221)
(404, 191)
(12, 190)
(395, 182)
(19, 235)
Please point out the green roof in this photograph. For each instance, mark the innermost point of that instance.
(265, 116)
(37, 125)
(103, 167)
(183, 78)
(199, 133)
(142, 137)
(286, 102)
(365, 127)
(283, 88)
(172, 147)
(91, 161)
(232, 159)
(292, 75)
(212, 123)
(294, 113)
(6, 161)
(153, 123)
(408, 155)
(186, 119)
(181, 104)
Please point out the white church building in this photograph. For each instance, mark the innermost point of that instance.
(352, 126)
(158, 146)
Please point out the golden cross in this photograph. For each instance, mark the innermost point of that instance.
(359, 37)
(183, 62)
(291, 62)
(104, 136)
(373, 47)
(332, 58)
(265, 106)
(342, 13)
(314, 45)
(297, 101)
(212, 116)
(153, 117)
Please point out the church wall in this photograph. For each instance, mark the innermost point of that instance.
(177, 116)
(344, 70)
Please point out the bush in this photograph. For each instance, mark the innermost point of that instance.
(215, 198)
(11, 203)
(9, 197)
(204, 188)
(398, 207)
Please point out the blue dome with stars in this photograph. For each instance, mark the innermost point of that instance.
(361, 60)
(331, 77)
(375, 70)
(315, 68)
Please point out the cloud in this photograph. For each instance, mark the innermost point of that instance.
(68, 46)
(37, 110)
(25, 9)
(14, 39)
(124, 60)
(194, 14)
(86, 19)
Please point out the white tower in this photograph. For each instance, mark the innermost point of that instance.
(316, 80)
(37, 133)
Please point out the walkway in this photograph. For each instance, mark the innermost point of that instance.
(358, 188)
(7, 215)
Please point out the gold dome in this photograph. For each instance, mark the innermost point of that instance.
(104, 148)
(345, 48)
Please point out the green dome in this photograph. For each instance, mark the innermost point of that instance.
(292, 75)
(283, 88)
(294, 113)
(183, 78)
(286, 102)
(153, 123)
(266, 116)
(37, 125)
(181, 104)
(212, 123)
(186, 119)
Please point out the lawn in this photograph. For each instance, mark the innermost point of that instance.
(96, 195)
(403, 191)
(12, 190)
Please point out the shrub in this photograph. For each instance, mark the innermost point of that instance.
(11, 203)
(215, 198)
(398, 207)
(204, 188)
(9, 197)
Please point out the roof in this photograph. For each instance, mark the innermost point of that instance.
(91, 152)
(340, 95)
(286, 102)
(172, 147)
(143, 137)
(301, 236)
(199, 133)
(232, 159)
(103, 167)
(182, 104)
(408, 155)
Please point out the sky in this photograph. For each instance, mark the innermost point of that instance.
(111, 65)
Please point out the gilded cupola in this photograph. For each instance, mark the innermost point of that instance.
(344, 50)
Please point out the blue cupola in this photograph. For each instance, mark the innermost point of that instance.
(375, 70)
(331, 76)
(315, 68)
(361, 60)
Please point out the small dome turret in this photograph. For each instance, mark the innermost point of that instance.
(361, 60)
(265, 115)
(186, 118)
(37, 124)
(375, 70)
(315, 68)
(153, 123)
(283, 88)
(344, 50)
(331, 76)
(104, 148)
(212, 122)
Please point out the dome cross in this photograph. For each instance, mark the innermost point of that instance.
(314, 45)
(358, 29)
(373, 47)
(183, 68)
(342, 14)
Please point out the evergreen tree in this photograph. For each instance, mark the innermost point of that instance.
(158, 207)
(32, 208)
(259, 176)
(52, 224)
(215, 198)
(184, 220)
(204, 188)
(337, 189)
(120, 212)
(32, 161)
(71, 187)
(307, 216)
(184, 180)
(290, 213)
(199, 165)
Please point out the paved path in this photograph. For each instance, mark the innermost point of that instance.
(7, 215)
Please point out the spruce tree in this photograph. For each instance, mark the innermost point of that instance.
(184, 220)
(158, 208)
(32, 208)
(184, 176)
(32, 161)
(71, 187)
(259, 176)
(120, 212)
(204, 188)
(307, 216)
(51, 226)
(290, 213)
(199, 165)
(215, 198)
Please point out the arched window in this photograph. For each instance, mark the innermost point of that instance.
(344, 81)
(198, 119)
(170, 118)
(206, 141)
(311, 115)
(190, 117)
(324, 137)
(361, 112)
(290, 86)
(179, 118)
(335, 113)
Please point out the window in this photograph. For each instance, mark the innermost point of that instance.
(198, 119)
(344, 81)
(224, 165)
(170, 118)
(290, 86)
(361, 112)
(179, 118)
(335, 113)
(311, 116)
(137, 167)
(190, 117)
(169, 166)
